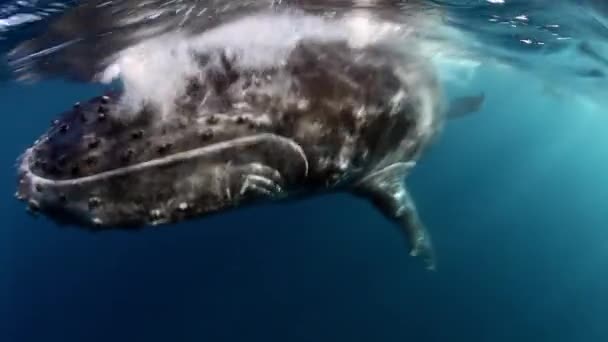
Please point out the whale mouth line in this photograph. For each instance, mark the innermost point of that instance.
(159, 162)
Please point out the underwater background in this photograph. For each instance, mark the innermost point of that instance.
(515, 197)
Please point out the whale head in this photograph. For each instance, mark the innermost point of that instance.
(94, 168)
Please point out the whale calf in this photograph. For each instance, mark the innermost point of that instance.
(318, 116)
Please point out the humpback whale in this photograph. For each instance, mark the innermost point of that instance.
(243, 121)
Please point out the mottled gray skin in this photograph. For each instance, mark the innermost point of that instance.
(332, 118)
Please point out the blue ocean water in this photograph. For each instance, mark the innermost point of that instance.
(515, 197)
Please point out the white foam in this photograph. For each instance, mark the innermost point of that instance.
(155, 70)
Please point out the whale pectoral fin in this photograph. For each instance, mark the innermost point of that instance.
(257, 180)
(386, 189)
(263, 167)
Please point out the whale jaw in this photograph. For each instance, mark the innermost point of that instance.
(169, 189)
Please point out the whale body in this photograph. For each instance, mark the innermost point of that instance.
(322, 115)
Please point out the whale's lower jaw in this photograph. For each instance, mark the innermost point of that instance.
(79, 202)
(169, 189)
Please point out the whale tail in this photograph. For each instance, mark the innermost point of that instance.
(465, 106)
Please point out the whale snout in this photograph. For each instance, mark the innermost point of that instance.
(83, 170)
